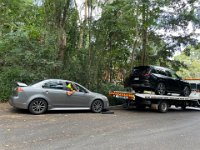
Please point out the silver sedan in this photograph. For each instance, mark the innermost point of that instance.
(52, 94)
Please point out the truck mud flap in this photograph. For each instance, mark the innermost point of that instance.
(154, 106)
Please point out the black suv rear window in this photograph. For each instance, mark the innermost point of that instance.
(141, 70)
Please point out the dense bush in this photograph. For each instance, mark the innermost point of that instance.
(48, 39)
(106, 88)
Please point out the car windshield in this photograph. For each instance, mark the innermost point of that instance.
(141, 70)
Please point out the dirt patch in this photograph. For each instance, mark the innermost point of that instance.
(4, 106)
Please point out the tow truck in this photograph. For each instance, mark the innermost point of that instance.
(159, 102)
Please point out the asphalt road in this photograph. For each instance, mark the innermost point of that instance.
(75, 130)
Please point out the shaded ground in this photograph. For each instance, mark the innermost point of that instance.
(74, 130)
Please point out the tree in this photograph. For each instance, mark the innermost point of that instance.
(191, 67)
(48, 39)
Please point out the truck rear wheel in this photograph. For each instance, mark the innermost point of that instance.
(163, 107)
(183, 107)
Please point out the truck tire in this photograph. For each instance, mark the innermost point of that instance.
(163, 107)
(183, 107)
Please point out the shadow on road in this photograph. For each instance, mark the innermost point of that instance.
(19, 111)
(68, 111)
(23, 111)
(171, 110)
(146, 110)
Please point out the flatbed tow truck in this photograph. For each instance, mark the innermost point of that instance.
(158, 102)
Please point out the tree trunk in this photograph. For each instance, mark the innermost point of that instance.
(89, 39)
(134, 43)
(62, 44)
(144, 35)
(62, 36)
(83, 27)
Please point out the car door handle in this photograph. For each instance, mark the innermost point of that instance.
(47, 92)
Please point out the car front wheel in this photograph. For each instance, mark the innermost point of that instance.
(97, 106)
(38, 106)
(186, 91)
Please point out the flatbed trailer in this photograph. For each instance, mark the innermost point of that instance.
(159, 102)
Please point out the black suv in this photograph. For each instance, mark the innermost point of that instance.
(158, 79)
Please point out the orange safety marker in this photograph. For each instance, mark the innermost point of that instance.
(127, 95)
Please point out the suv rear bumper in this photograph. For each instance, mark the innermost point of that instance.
(146, 86)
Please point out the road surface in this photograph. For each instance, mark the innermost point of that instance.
(75, 130)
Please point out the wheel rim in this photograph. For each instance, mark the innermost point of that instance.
(97, 106)
(161, 89)
(163, 106)
(38, 106)
(186, 91)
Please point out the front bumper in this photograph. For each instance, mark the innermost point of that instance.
(106, 104)
(17, 103)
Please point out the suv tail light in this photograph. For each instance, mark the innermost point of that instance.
(20, 89)
(147, 74)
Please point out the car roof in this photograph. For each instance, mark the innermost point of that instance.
(152, 66)
(159, 67)
(56, 80)
(59, 80)
(62, 80)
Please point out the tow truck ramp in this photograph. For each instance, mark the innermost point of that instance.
(158, 102)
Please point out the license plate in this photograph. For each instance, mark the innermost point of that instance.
(136, 78)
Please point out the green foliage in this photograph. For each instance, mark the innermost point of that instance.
(7, 79)
(106, 88)
(51, 40)
(191, 63)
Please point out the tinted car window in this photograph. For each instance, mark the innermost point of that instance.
(53, 85)
(198, 87)
(168, 73)
(174, 75)
(153, 70)
(80, 89)
(161, 72)
(193, 86)
(141, 70)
